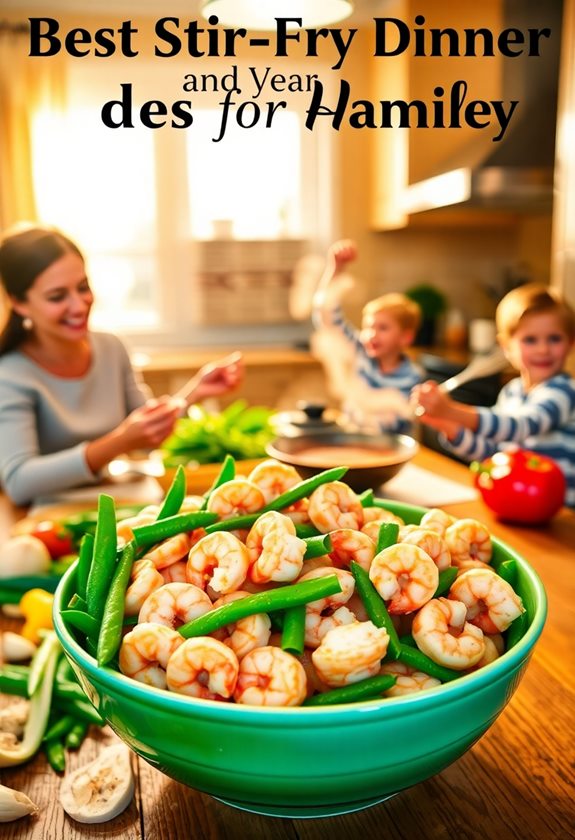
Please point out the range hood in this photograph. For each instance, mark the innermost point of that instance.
(516, 173)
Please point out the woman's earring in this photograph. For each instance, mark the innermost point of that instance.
(27, 323)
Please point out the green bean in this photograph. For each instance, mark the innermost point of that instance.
(13, 683)
(130, 620)
(82, 710)
(305, 488)
(21, 584)
(369, 689)
(516, 630)
(59, 728)
(366, 498)
(76, 735)
(82, 621)
(446, 578)
(317, 546)
(85, 555)
(306, 529)
(175, 495)
(65, 672)
(375, 608)
(55, 754)
(104, 559)
(76, 602)
(110, 634)
(68, 690)
(226, 473)
(508, 571)
(162, 529)
(387, 536)
(407, 640)
(280, 598)
(293, 631)
(9, 596)
(418, 660)
(236, 523)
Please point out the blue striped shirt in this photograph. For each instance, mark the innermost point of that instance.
(403, 378)
(541, 420)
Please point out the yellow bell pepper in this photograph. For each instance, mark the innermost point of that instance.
(36, 607)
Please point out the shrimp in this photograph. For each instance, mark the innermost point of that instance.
(323, 615)
(145, 652)
(348, 545)
(350, 653)
(432, 543)
(174, 604)
(145, 580)
(275, 552)
(169, 551)
(441, 631)
(468, 539)
(247, 633)
(203, 667)
(236, 497)
(408, 680)
(405, 575)
(220, 561)
(371, 529)
(491, 602)
(437, 520)
(124, 528)
(176, 573)
(492, 652)
(270, 676)
(380, 514)
(191, 504)
(299, 511)
(274, 478)
(334, 505)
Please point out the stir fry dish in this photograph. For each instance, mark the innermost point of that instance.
(270, 590)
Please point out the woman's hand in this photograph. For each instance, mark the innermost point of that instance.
(146, 427)
(219, 377)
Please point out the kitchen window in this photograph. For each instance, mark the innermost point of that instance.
(172, 222)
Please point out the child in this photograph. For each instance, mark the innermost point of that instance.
(536, 329)
(383, 376)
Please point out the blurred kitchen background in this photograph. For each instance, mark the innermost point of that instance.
(195, 246)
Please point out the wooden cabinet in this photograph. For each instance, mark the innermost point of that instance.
(276, 377)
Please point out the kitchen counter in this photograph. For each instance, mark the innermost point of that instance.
(517, 781)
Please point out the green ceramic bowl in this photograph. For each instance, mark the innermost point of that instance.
(315, 761)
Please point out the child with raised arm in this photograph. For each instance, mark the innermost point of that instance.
(536, 411)
(383, 375)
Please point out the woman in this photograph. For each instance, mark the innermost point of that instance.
(70, 401)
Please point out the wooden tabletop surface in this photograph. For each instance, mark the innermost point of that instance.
(516, 782)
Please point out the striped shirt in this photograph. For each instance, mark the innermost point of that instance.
(402, 379)
(541, 420)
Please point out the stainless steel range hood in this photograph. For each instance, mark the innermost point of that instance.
(517, 172)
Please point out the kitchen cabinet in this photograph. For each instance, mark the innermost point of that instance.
(405, 158)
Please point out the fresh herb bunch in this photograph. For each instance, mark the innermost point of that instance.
(207, 437)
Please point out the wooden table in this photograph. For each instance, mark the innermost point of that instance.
(516, 782)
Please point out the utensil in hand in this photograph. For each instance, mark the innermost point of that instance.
(477, 368)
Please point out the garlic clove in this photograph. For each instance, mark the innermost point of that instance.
(100, 790)
(15, 648)
(14, 804)
(23, 555)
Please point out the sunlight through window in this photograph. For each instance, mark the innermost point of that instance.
(258, 198)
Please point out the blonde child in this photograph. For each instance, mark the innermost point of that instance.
(376, 390)
(536, 329)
